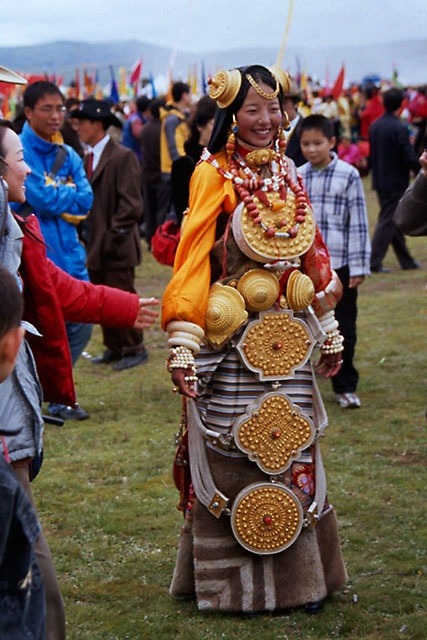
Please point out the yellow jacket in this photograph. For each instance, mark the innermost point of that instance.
(174, 133)
(186, 296)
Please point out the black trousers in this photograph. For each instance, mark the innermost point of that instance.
(387, 233)
(346, 314)
(123, 342)
(156, 206)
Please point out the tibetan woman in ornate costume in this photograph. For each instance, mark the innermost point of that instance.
(251, 297)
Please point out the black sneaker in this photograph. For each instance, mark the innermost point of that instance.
(106, 358)
(411, 266)
(131, 361)
(71, 413)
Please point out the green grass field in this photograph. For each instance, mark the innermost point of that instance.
(107, 501)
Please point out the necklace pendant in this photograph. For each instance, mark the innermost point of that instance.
(276, 205)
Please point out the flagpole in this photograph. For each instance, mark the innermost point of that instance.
(282, 49)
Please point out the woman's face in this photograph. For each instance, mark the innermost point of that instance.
(258, 119)
(17, 170)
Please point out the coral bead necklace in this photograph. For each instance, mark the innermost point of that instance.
(245, 173)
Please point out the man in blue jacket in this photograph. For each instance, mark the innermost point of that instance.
(59, 193)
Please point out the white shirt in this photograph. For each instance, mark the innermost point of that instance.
(97, 150)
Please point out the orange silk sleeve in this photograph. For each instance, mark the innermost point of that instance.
(186, 295)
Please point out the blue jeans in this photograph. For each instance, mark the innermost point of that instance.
(78, 335)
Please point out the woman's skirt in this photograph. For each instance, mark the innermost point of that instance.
(212, 565)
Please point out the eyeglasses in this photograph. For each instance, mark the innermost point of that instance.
(49, 110)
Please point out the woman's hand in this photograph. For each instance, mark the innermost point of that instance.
(329, 364)
(184, 383)
(146, 316)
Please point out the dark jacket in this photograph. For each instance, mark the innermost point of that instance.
(113, 240)
(392, 156)
(22, 598)
(411, 212)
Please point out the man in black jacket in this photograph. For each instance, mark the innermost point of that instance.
(392, 160)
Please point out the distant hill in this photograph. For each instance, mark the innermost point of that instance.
(62, 58)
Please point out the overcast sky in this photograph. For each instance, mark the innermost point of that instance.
(205, 25)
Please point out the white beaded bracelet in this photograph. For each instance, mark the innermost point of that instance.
(333, 343)
(181, 357)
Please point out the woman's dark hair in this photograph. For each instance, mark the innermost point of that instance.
(12, 302)
(224, 117)
(155, 107)
(204, 112)
(4, 124)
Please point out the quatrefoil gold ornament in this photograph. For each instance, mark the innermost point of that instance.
(273, 432)
(266, 518)
(275, 345)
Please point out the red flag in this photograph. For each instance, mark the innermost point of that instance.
(77, 83)
(336, 90)
(135, 72)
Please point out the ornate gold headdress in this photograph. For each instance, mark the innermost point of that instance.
(224, 87)
(261, 92)
(282, 77)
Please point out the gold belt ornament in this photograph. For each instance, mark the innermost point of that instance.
(266, 518)
(273, 432)
(275, 345)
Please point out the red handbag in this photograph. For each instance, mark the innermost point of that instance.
(165, 241)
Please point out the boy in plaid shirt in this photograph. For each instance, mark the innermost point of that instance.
(337, 197)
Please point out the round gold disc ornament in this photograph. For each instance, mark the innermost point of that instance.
(225, 314)
(282, 77)
(224, 87)
(260, 289)
(273, 432)
(255, 243)
(275, 345)
(266, 518)
(299, 291)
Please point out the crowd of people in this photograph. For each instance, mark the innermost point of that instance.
(264, 186)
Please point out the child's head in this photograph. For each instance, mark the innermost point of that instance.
(317, 139)
(11, 332)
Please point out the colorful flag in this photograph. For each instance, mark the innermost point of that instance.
(153, 86)
(135, 73)
(88, 83)
(123, 84)
(336, 90)
(77, 83)
(114, 92)
(204, 81)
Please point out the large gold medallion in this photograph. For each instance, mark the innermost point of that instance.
(255, 243)
(273, 432)
(266, 518)
(275, 345)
